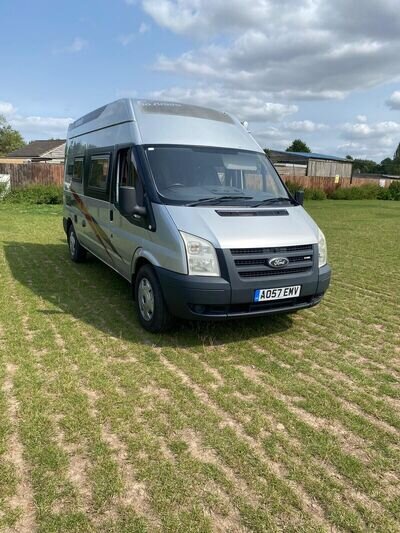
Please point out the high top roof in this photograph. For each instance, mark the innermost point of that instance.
(161, 122)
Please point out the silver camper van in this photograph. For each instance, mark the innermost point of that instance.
(182, 202)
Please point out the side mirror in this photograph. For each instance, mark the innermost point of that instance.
(299, 197)
(128, 202)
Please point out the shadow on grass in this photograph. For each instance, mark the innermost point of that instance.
(93, 293)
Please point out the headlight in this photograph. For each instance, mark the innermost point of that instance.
(322, 249)
(201, 257)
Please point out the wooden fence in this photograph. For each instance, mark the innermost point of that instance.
(329, 184)
(50, 173)
(33, 173)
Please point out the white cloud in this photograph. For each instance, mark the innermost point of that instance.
(279, 137)
(361, 118)
(144, 28)
(360, 150)
(39, 127)
(375, 141)
(307, 94)
(6, 109)
(210, 17)
(394, 101)
(245, 104)
(305, 126)
(126, 38)
(77, 45)
(305, 48)
(362, 130)
(35, 127)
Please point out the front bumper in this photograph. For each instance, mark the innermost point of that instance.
(211, 298)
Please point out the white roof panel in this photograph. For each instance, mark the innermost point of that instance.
(169, 123)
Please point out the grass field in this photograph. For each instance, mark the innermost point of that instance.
(287, 423)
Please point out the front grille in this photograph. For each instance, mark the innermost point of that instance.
(272, 272)
(275, 250)
(253, 262)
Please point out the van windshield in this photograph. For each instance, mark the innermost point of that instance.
(191, 175)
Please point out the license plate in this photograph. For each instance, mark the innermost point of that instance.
(280, 293)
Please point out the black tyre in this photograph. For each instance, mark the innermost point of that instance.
(76, 252)
(150, 306)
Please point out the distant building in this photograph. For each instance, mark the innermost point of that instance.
(309, 164)
(47, 151)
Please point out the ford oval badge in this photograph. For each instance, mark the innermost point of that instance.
(278, 262)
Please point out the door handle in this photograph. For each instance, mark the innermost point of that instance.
(111, 214)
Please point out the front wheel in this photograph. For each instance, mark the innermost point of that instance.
(152, 311)
(76, 252)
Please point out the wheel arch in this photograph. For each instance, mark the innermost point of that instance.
(69, 224)
(141, 257)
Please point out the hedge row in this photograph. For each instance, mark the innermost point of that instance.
(363, 192)
(35, 194)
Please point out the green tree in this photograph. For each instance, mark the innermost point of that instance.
(396, 156)
(386, 165)
(390, 166)
(298, 146)
(349, 157)
(10, 139)
(365, 166)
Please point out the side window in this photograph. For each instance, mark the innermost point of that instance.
(98, 172)
(69, 169)
(127, 174)
(77, 174)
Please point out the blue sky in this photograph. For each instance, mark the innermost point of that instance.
(325, 71)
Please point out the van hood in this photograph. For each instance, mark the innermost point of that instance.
(236, 231)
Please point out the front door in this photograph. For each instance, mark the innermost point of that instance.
(127, 234)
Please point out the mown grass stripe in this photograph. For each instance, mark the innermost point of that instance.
(270, 406)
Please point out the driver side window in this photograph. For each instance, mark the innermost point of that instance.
(127, 175)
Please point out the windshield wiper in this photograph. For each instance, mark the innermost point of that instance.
(218, 199)
(275, 200)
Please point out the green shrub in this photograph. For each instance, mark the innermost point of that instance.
(310, 193)
(3, 190)
(292, 187)
(384, 194)
(314, 194)
(394, 190)
(36, 194)
(370, 191)
(363, 192)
